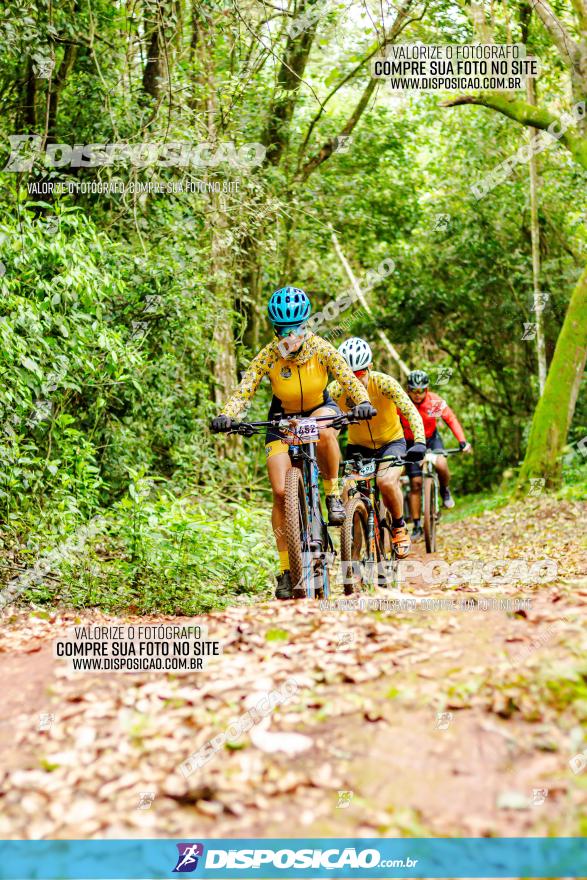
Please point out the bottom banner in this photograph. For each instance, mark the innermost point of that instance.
(294, 857)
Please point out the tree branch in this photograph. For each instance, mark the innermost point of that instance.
(567, 47)
(350, 76)
(465, 379)
(526, 114)
(328, 148)
(332, 92)
(400, 22)
(580, 7)
(291, 72)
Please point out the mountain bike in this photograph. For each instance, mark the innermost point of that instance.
(366, 550)
(309, 545)
(431, 503)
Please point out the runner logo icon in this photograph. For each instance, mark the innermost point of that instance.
(187, 860)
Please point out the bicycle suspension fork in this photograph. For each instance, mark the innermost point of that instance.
(371, 525)
(313, 493)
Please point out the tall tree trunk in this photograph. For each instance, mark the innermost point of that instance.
(222, 270)
(29, 109)
(57, 86)
(250, 281)
(535, 231)
(226, 369)
(156, 65)
(295, 57)
(153, 72)
(554, 413)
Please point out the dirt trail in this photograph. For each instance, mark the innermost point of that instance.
(413, 722)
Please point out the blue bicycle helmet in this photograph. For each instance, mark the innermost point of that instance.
(288, 306)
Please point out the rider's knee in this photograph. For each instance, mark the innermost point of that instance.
(416, 484)
(327, 435)
(278, 494)
(388, 481)
(394, 477)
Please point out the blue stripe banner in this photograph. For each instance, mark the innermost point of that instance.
(295, 857)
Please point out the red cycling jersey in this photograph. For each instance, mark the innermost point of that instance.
(432, 408)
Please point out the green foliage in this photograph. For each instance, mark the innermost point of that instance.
(157, 553)
(62, 356)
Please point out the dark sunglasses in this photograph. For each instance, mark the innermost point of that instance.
(287, 331)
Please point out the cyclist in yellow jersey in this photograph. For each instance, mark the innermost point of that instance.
(383, 435)
(297, 363)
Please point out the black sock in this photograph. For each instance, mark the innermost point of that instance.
(416, 523)
(397, 523)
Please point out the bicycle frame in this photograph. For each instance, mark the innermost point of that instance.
(368, 489)
(431, 518)
(429, 468)
(429, 472)
(319, 541)
(429, 464)
(358, 463)
(317, 544)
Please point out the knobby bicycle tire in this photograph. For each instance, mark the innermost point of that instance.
(430, 513)
(386, 558)
(386, 548)
(406, 502)
(352, 549)
(296, 523)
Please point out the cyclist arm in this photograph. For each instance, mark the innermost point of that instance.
(453, 423)
(391, 389)
(249, 383)
(335, 391)
(338, 367)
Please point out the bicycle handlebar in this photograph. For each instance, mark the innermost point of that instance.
(248, 429)
(358, 461)
(397, 460)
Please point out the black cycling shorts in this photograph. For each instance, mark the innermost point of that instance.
(395, 447)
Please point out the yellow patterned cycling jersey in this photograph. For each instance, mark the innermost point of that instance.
(299, 381)
(387, 396)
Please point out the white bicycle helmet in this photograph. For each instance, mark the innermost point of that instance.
(357, 353)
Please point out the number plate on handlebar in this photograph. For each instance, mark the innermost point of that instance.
(367, 469)
(306, 431)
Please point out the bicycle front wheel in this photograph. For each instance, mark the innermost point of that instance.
(386, 558)
(297, 532)
(406, 497)
(430, 501)
(355, 556)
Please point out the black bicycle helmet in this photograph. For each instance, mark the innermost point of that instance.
(418, 379)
